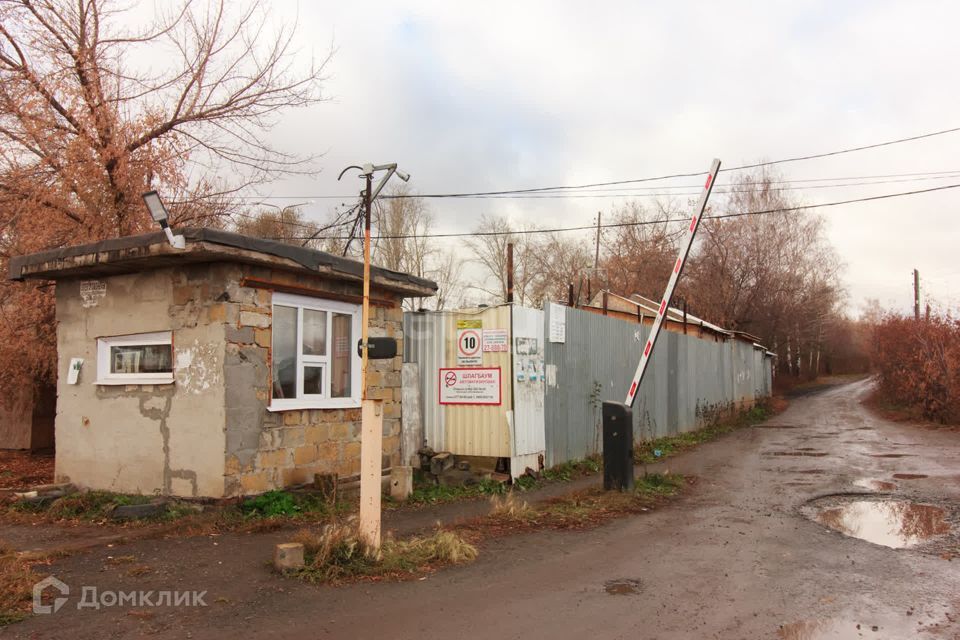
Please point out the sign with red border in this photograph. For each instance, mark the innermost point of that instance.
(470, 386)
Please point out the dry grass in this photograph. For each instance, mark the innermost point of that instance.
(16, 586)
(337, 554)
(509, 507)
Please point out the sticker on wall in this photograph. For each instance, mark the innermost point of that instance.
(469, 342)
(527, 346)
(92, 291)
(558, 322)
(496, 340)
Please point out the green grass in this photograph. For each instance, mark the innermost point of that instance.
(650, 451)
(426, 492)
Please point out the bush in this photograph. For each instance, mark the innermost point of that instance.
(918, 365)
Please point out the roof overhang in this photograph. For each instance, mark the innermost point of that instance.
(133, 254)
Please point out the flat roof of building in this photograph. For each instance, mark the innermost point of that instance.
(131, 254)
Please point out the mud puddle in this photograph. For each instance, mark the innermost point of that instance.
(890, 455)
(812, 472)
(622, 587)
(798, 453)
(834, 629)
(875, 485)
(909, 476)
(898, 524)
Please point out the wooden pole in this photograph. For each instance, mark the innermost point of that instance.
(509, 272)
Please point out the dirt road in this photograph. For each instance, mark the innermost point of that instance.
(737, 558)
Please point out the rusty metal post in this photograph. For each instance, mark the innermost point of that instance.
(509, 272)
(570, 295)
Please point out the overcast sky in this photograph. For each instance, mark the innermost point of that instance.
(502, 95)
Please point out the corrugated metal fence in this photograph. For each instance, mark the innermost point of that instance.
(689, 378)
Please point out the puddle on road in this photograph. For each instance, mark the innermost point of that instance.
(909, 476)
(798, 453)
(890, 455)
(892, 523)
(875, 485)
(812, 472)
(837, 630)
(622, 587)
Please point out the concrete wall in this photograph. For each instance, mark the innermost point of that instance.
(268, 450)
(166, 439)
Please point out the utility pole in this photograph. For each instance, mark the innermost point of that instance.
(371, 411)
(916, 295)
(596, 261)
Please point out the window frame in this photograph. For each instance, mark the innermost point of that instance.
(318, 401)
(152, 338)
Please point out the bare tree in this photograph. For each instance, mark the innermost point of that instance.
(640, 249)
(403, 224)
(85, 129)
(774, 276)
(489, 248)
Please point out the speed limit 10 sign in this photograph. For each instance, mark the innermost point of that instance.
(469, 342)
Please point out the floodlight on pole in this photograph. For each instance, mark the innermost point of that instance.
(371, 415)
(158, 211)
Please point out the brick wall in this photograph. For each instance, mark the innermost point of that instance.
(267, 450)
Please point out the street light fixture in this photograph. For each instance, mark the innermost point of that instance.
(159, 214)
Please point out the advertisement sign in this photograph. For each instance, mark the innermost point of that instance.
(496, 340)
(470, 386)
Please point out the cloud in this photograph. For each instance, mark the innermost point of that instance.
(510, 95)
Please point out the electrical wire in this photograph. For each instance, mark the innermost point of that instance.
(476, 234)
(692, 174)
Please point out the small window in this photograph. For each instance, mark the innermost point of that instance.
(142, 358)
(314, 363)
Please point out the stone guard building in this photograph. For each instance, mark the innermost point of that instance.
(226, 368)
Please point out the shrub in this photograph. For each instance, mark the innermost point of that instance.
(918, 365)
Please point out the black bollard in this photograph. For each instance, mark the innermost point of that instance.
(617, 447)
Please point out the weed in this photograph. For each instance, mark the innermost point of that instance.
(277, 504)
(509, 507)
(16, 586)
(337, 553)
(430, 493)
(648, 451)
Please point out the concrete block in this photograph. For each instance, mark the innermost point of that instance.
(288, 556)
(401, 482)
(306, 454)
(253, 319)
(240, 336)
(441, 462)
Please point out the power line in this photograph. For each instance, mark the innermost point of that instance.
(626, 192)
(692, 174)
(926, 176)
(475, 234)
(700, 173)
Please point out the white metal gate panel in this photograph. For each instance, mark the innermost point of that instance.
(528, 386)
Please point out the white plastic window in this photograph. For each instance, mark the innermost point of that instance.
(141, 358)
(314, 359)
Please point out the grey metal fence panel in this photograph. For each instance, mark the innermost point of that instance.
(688, 377)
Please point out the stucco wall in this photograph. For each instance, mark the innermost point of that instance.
(267, 450)
(166, 439)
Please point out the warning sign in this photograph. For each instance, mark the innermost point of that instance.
(496, 340)
(469, 342)
(470, 386)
